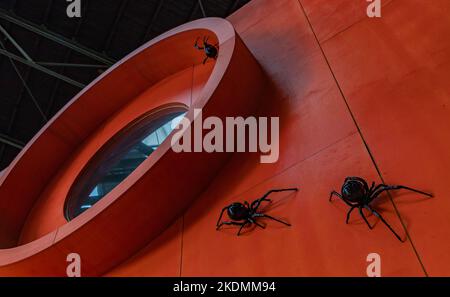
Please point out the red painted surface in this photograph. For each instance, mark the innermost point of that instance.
(326, 62)
(105, 235)
(403, 69)
(46, 214)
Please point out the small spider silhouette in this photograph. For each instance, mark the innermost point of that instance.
(211, 51)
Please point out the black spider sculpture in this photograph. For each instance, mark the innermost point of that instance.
(211, 51)
(244, 214)
(356, 193)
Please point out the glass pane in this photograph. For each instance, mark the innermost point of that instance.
(118, 160)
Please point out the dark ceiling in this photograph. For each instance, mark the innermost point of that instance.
(44, 35)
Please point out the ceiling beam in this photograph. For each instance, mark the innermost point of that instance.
(18, 102)
(24, 82)
(193, 11)
(233, 7)
(41, 68)
(27, 71)
(71, 65)
(14, 42)
(152, 20)
(112, 30)
(55, 37)
(11, 142)
(66, 59)
(202, 8)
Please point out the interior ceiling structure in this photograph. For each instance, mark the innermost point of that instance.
(46, 57)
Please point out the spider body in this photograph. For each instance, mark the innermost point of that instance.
(211, 51)
(238, 211)
(355, 192)
(242, 214)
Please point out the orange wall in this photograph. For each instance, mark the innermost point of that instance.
(47, 214)
(341, 78)
(155, 194)
(356, 97)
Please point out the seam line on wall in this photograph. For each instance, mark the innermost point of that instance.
(56, 235)
(192, 84)
(363, 139)
(182, 217)
(181, 254)
(353, 24)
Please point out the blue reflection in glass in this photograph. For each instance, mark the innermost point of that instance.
(118, 161)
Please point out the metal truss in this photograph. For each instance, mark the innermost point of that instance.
(55, 37)
(25, 59)
(11, 142)
(41, 68)
(17, 54)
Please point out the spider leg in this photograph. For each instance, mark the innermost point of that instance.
(255, 204)
(364, 217)
(372, 187)
(334, 193)
(272, 218)
(381, 188)
(256, 223)
(279, 190)
(220, 217)
(398, 187)
(349, 213)
(242, 226)
(374, 190)
(378, 215)
(229, 224)
(197, 46)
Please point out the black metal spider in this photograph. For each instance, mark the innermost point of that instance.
(356, 193)
(211, 51)
(243, 214)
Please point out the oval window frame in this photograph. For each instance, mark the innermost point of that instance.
(129, 133)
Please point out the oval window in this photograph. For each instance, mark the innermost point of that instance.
(114, 162)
